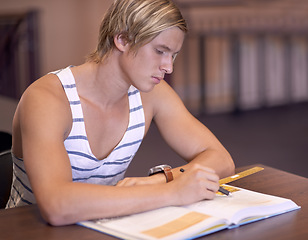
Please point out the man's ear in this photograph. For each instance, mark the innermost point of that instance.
(120, 41)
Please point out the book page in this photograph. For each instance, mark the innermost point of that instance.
(243, 204)
(165, 224)
(195, 220)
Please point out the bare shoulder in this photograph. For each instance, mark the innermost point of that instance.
(162, 100)
(164, 104)
(48, 84)
(163, 89)
(43, 103)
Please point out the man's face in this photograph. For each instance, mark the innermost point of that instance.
(148, 66)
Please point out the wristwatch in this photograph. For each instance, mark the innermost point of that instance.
(166, 169)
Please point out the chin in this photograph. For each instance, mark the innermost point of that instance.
(146, 89)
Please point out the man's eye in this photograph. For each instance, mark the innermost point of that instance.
(159, 52)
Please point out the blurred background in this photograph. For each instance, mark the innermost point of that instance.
(243, 71)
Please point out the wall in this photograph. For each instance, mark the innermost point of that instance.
(67, 33)
(7, 109)
(68, 29)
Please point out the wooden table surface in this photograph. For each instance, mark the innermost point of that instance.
(26, 222)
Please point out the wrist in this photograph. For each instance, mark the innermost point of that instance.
(157, 178)
(162, 170)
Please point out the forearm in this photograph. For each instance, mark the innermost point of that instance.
(217, 159)
(75, 202)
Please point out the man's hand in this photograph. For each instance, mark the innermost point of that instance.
(195, 184)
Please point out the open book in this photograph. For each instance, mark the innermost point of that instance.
(198, 219)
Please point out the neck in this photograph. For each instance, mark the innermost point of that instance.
(98, 83)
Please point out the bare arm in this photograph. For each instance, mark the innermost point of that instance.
(186, 135)
(45, 120)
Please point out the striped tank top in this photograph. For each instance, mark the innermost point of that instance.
(85, 166)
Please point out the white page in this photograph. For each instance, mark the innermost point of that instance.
(134, 225)
(186, 222)
(245, 203)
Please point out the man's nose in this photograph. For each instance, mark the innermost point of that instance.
(167, 65)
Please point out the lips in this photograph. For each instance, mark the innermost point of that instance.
(158, 79)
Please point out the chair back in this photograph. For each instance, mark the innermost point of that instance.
(5, 141)
(6, 175)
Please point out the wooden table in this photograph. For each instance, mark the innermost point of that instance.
(26, 222)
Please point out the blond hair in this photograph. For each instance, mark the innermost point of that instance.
(138, 21)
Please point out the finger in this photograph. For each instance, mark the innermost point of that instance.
(210, 190)
(212, 176)
(209, 195)
(209, 176)
(212, 186)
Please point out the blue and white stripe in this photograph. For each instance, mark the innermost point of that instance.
(85, 166)
(21, 192)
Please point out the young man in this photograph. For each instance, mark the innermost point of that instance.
(76, 130)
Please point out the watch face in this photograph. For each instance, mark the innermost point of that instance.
(158, 169)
